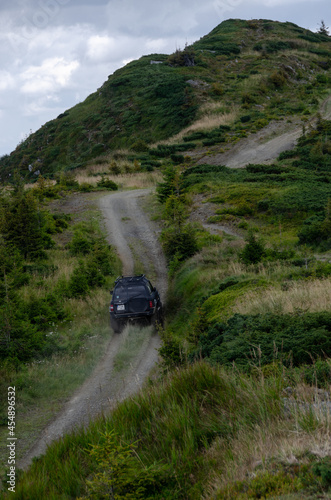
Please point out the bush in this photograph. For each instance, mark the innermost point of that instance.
(260, 339)
(67, 180)
(278, 78)
(271, 46)
(24, 226)
(107, 184)
(182, 243)
(85, 187)
(140, 146)
(318, 374)
(316, 232)
(195, 136)
(184, 57)
(78, 285)
(253, 251)
(81, 243)
(245, 118)
(177, 158)
(171, 184)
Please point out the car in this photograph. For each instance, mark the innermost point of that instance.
(134, 299)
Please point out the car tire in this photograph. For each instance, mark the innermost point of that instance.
(157, 319)
(115, 325)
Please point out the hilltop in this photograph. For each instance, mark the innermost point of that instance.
(243, 74)
(234, 134)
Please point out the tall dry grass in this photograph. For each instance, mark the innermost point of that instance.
(210, 426)
(212, 115)
(137, 180)
(286, 441)
(312, 296)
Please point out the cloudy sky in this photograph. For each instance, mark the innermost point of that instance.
(54, 53)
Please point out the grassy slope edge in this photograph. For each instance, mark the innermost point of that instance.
(256, 429)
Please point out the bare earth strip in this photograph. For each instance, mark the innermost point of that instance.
(264, 146)
(134, 236)
(127, 225)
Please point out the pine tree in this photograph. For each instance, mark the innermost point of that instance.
(22, 224)
(323, 30)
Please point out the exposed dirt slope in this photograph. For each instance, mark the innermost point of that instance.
(263, 146)
(127, 226)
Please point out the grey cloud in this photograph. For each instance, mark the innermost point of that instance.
(98, 36)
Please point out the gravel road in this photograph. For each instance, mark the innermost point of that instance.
(134, 235)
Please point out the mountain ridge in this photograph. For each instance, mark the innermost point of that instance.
(255, 66)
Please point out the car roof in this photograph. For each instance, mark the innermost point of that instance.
(127, 280)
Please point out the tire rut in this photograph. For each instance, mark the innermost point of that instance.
(126, 224)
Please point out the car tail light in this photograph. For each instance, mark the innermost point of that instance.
(111, 308)
(151, 304)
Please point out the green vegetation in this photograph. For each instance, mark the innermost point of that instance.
(252, 341)
(54, 281)
(33, 289)
(184, 437)
(240, 408)
(144, 103)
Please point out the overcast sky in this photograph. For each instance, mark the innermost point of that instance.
(54, 53)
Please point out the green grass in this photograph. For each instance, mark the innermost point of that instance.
(186, 436)
(143, 103)
(135, 338)
(201, 431)
(43, 386)
(74, 329)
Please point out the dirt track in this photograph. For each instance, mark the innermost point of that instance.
(127, 227)
(135, 238)
(264, 146)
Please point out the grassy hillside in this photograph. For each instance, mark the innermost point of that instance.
(240, 408)
(251, 71)
(202, 432)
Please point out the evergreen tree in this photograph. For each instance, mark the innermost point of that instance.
(22, 224)
(323, 30)
(253, 251)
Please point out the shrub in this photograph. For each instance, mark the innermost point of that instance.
(182, 243)
(177, 158)
(271, 46)
(78, 285)
(94, 275)
(171, 184)
(85, 187)
(184, 57)
(318, 374)
(316, 233)
(125, 476)
(253, 251)
(323, 470)
(107, 184)
(81, 243)
(195, 136)
(260, 339)
(140, 146)
(24, 225)
(245, 118)
(278, 78)
(67, 180)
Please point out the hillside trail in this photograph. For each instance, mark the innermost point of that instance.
(262, 147)
(134, 235)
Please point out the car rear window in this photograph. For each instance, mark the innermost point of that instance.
(127, 292)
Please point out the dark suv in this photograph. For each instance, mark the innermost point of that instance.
(134, 298)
